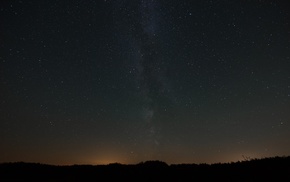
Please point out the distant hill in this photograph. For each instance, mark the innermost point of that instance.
(267, 169)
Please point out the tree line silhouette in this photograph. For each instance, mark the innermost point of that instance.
(267, 169)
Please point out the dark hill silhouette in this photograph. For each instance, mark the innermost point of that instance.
(267, 169)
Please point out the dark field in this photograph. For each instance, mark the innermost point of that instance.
(267, 169)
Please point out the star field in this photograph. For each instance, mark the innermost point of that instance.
(97, 82)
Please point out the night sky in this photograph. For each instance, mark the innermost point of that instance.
(104, 81)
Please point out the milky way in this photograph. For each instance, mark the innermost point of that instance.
(124, 81)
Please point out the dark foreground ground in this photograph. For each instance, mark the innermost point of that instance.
(268, 169)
